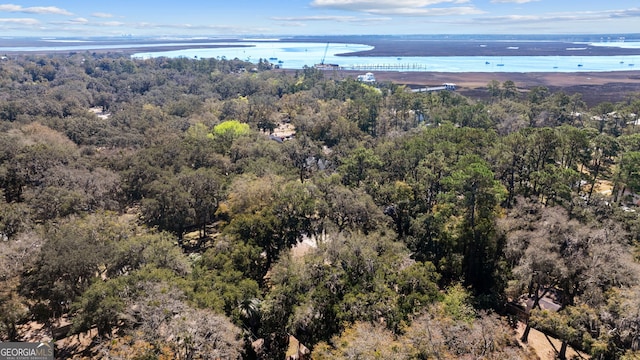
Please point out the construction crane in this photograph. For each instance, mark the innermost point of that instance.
(322, 65)
(325, 54)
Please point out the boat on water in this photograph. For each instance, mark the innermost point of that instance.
(323, 66)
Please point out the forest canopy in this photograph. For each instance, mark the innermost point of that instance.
(198, 208)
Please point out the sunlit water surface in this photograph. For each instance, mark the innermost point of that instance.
(297, 55)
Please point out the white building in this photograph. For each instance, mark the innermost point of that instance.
(368, 77)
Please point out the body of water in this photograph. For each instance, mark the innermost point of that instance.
(289, 55)
(296, 55)
(292, 55)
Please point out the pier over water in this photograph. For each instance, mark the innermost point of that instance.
(389, 67)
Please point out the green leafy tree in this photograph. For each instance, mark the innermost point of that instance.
(102, 305)
(628, 176)
(509, 163)
(509, 90)
(493, 87)
(400, 199)
(479, 196)
(573, 150)
(205, 189)
(349, 279)
(226, 132)
(168, 206)
(348, 209)
(226, 280)
(272, 213)
(14, 218)
(603, 150)
(357, 167)
(434, 334)
(304, 155)
(74, 253)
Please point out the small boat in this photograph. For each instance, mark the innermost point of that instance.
(632, 64)
(579, 65)
(273, 58)
(500, 65)
(487, 63)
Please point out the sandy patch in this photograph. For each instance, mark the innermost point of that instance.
(99, 113)
(546, 347)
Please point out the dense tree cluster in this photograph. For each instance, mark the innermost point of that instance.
(159, 203)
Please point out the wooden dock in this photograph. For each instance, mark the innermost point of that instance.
(382, 67)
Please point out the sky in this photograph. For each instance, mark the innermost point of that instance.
(72, 18)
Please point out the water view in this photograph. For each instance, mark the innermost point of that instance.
(296, 55)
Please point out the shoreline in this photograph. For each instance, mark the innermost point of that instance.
(595, 87)
(441, 48)
(119, 50)
(382, 47)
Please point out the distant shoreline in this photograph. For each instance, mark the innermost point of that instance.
(382, 46)
(489, 48)
(595, 86)
(124, 50)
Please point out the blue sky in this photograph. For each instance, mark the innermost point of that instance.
(316, 17)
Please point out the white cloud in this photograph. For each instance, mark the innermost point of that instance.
(76, 21)
(102, 15)
(219, 28)
(451, 11)
(512, 1)
(294, 24)
(34, 10)
(563, 17)
(23, 21)
(635, 12)
(86, 23)
(79, 21)
(10, 8)
(365, 4)
(111, 23)
(345, 19)
(400, 7)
